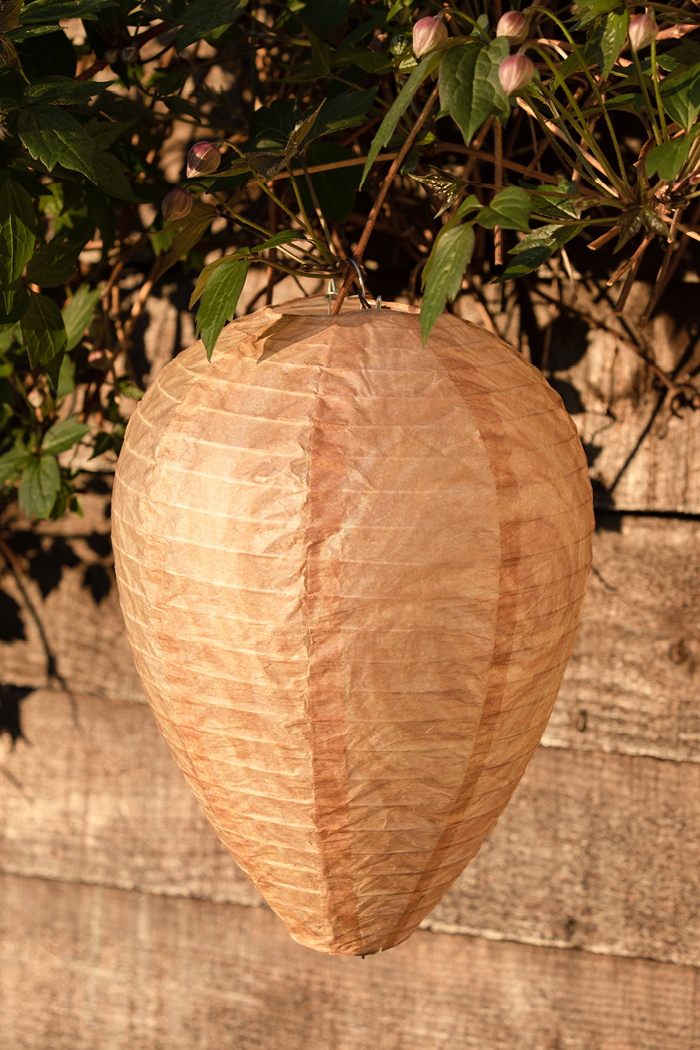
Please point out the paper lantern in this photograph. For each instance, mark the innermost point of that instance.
(352, 570)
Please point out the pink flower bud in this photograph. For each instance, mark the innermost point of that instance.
(428, 34)
(176, 205)
(642, 30)
(203, 159)
(515, 73)
(514, 26)
(130, 55)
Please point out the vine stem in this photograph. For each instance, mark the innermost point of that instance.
(376, 207)
(498, 155)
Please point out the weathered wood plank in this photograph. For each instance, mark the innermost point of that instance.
(103, 802)
(631, 686)
(644, 451)
(595, 851)
(72, 560)
(84, 967)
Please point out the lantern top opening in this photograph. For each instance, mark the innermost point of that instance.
(317, 306)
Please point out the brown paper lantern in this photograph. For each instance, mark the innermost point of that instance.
(352, 571)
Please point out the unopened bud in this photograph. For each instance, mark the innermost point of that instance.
(203, 159)
(428, 34)
(643, 29)
(514, 26)
(515, 73)
(111, 55)
(130, 55)
(176, 205)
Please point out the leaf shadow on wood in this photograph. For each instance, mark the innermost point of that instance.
(11, 697)
(11, 623)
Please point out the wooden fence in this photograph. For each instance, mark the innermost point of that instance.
(125, 924)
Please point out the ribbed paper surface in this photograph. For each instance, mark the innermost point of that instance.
(352, 571)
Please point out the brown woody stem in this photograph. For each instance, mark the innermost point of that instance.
(351, 274)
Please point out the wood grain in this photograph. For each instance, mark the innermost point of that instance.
(84, 967)
(103, 802)
(595, 851)
(643, 450)
(632, 684)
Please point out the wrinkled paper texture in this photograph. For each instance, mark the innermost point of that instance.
(352, 570)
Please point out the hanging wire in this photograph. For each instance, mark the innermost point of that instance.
(362, 294)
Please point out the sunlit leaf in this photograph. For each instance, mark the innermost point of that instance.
(510, 209)
(62, 436)
(219, 301)
(469, 84)
(40, 481)
(12, 462)
(449, 258)
(680, 95)
(77, 313)
(388, 125)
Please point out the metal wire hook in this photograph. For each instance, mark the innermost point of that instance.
(362, 295)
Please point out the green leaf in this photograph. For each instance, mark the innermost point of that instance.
(443, 184)
(283, 237)
(509, 209)
(219, 301)
(527, 260)
(556, 207)
(103, 132)
(667, 159)
(346, 110)
(110, 176)
(336, 190)
(12, 462)
(469, 84)
(77, 313)
(62, 91)
(44, 335)
(55, 137)
(537, 248)
(16, 303)
(272, 125)
(130, 390)
(54, 262)
(607, 41)
(66, 378)
(324, 15)
(8, 54)
(680, 95)
(9, 14)
(444, 273)
(191, 233)
(17, 224)
(388, 125)
(40, 482)
(207, 16)
(62, 436)
(52, 10)
(366, 60)
(299, 133)
(179, 106)
(589, 10)
(203, 279)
